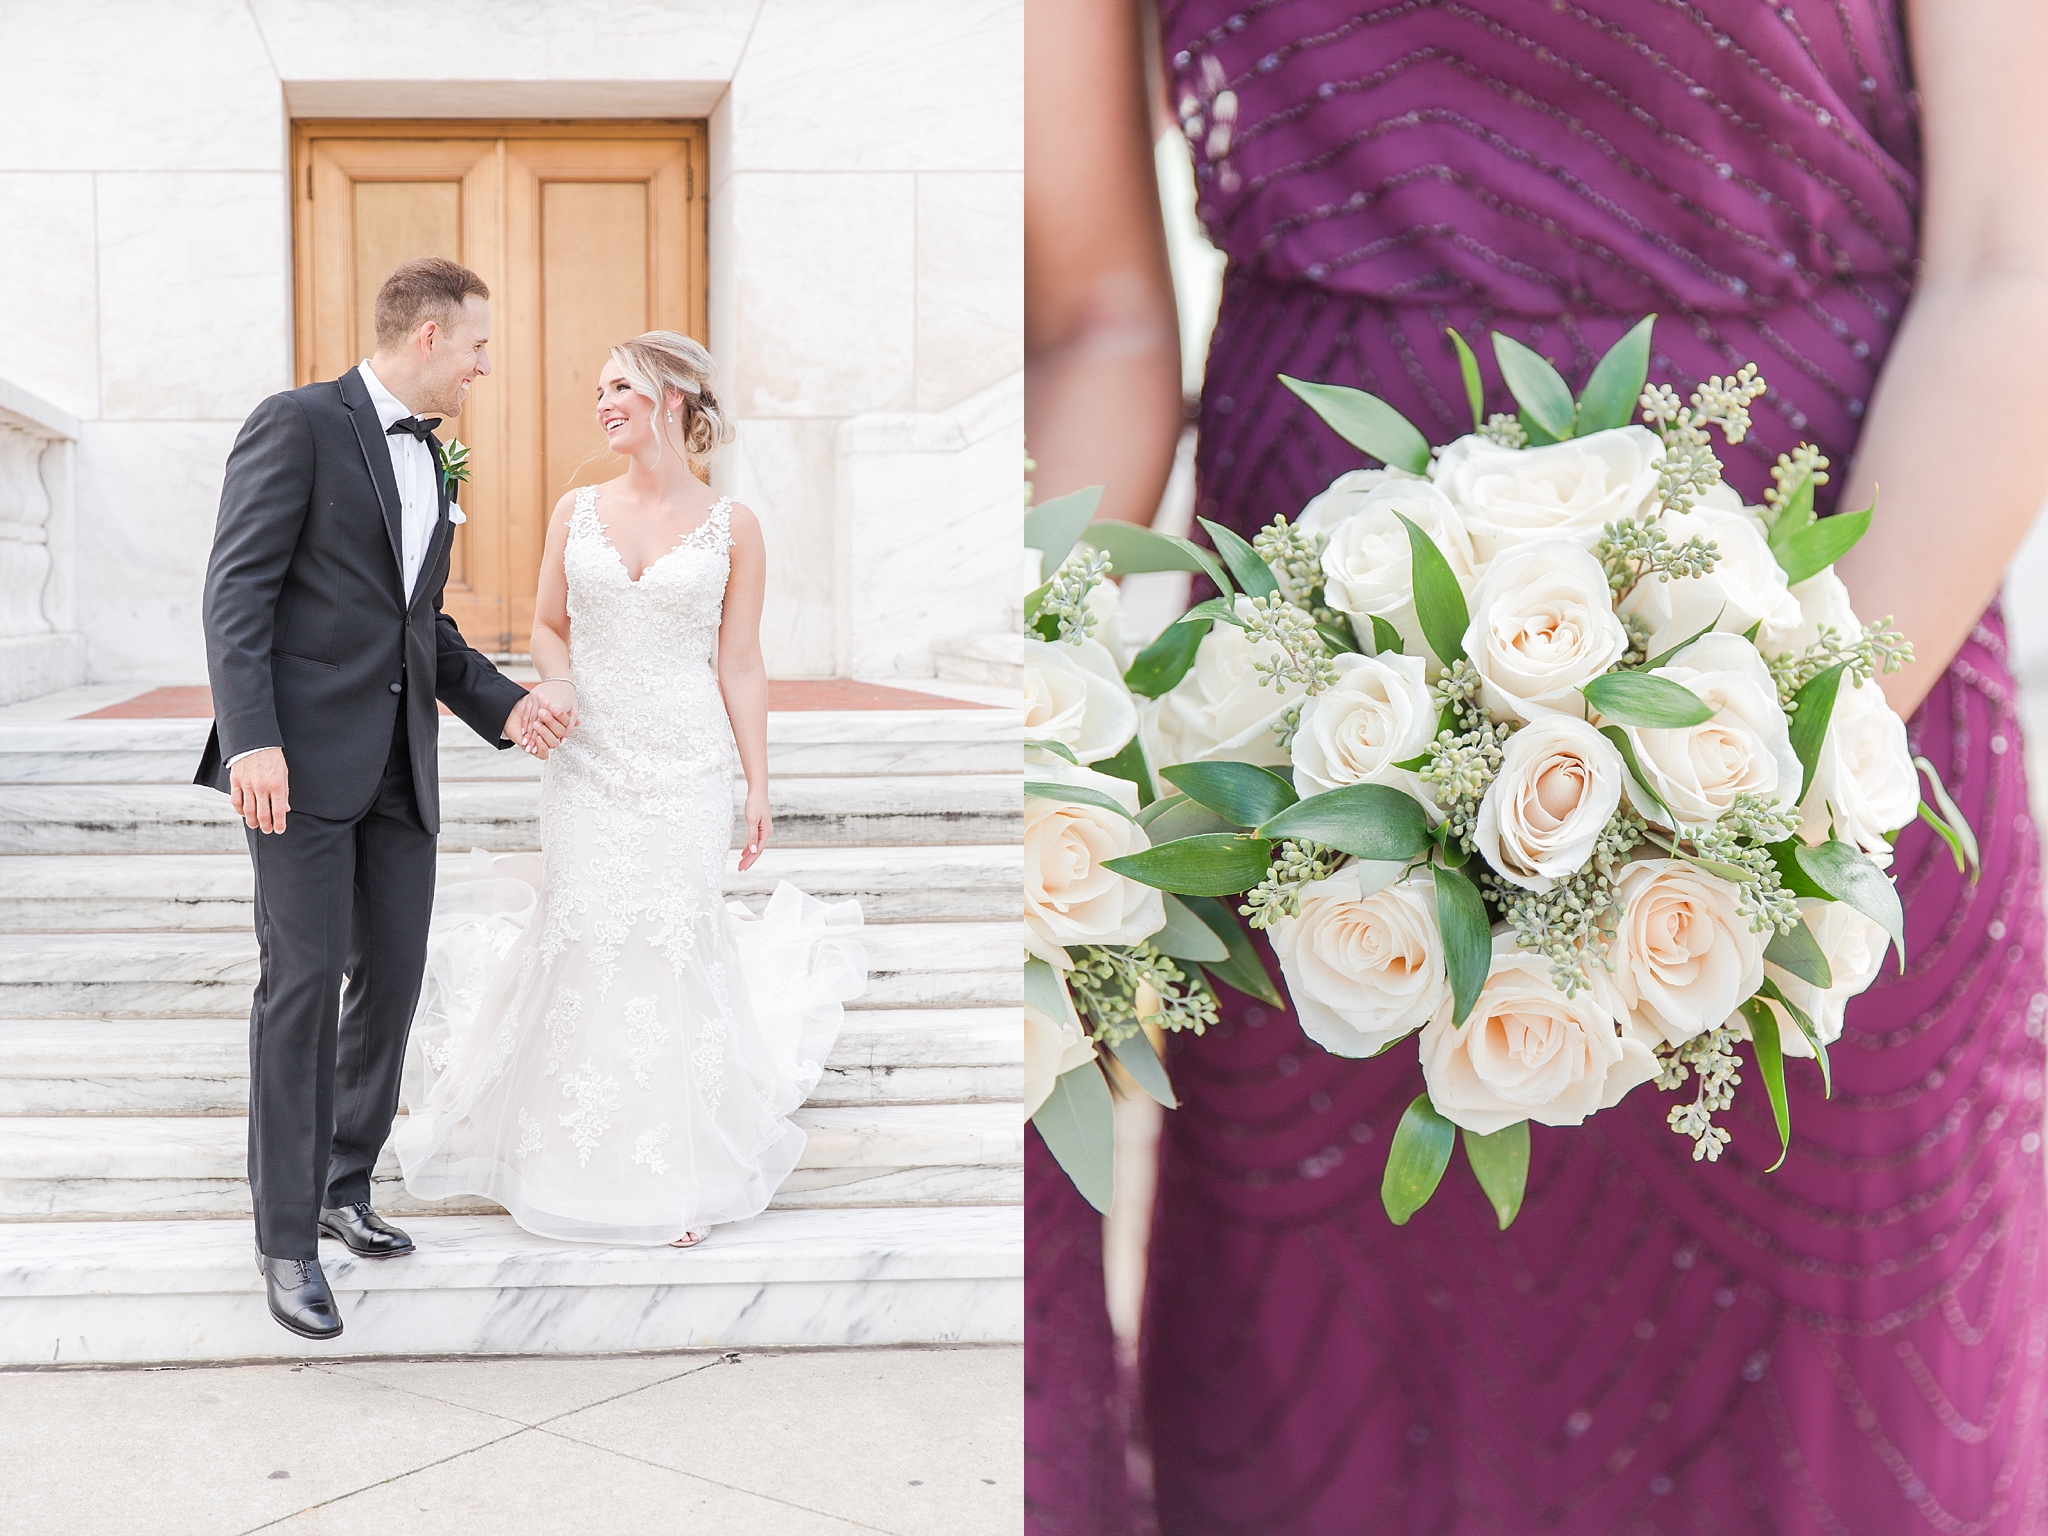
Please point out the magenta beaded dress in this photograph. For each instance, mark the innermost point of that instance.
(1855, 1344)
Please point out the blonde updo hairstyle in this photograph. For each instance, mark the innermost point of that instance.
(661, 362)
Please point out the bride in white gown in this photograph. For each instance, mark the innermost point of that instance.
(602, 1046)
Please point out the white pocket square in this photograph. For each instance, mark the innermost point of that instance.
(456, 514)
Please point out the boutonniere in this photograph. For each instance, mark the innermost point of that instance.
(454, 462)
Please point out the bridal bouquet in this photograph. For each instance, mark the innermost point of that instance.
(1540, 749)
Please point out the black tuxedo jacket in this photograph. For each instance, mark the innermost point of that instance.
(311, 644)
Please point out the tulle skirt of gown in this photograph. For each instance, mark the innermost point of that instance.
(627, 1088)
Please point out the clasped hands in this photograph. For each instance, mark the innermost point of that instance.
(540, 721)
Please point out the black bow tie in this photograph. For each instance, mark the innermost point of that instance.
(421, 427)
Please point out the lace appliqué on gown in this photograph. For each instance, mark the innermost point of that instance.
(604, 987)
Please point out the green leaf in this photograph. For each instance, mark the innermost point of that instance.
(1337, 638)
(1846, 874)
(1770, 1062)
(1952, 824)
(1617, 383)
(1212, 864)
(1533, 430)
(1243, 970)
(1243, 793)
(1468, 940)
(1367, 423)
(1468, 366)
(1254, 577)
(1135, 1052)
(1043, 988)
(1416, 1161)
(1210, 610)
(1819, 545)
(1075, 794)
(1172, 817)
(1052, 527)
(1812, 707)
(1186, 936)
(1538, 388)
(1033, 601)
(1804, 1022)
(1792, 874)
(1797, 514)
(1130, 765)
(1367, 821)
(1663, 658)
(1799, 952)
(1439, 600)
(1078, 1122)
(1132, 549)
(1166, 660)
(1056, 748)
(1386, 640)
(1647, 701)
(1501, 1164)
(1627, 749)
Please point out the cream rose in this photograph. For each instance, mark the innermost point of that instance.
(1344, 497)
(1220, 709)
(1363, 961)
(1745, 588)
(1685, 958)
(1823, 602)
(1745, 748)
(1367, 563)
(1074, 694)
(1864, 782)
(1855, 949)
(1378, 713)
(1528, 1052)
(1559, 781)
(1069, 898)
(1543, 626)
(1570, 490)
(1052, 1046)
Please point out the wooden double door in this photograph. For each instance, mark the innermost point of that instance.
(586, 234)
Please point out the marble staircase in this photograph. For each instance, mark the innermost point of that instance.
(126, 964)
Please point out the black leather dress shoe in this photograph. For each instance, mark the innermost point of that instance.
(299, 1297)
(368, 1235)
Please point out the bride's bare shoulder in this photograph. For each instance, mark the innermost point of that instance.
(743, 526)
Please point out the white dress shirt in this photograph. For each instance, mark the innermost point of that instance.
(413, 467)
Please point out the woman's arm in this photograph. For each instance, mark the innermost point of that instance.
(743, 677)
(549, 646)
(1101, 337)
(1956, 440)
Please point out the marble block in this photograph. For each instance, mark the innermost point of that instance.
(49, 309)
(125, 1292)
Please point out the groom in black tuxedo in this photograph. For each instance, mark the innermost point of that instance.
(327, 647)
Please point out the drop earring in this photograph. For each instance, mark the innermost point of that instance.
(671, 415)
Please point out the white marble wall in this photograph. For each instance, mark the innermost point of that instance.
(866, 237)
(40, 647)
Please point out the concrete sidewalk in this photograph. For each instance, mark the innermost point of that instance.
(912, 1442)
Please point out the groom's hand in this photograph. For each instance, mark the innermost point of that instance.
(260, 789)
(536, 726)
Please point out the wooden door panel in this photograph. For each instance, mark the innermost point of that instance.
(585, 233)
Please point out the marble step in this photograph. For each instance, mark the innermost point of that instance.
(814, 812)
(994, 659)
(86, 1067)
(135, 1292)
(800, 743)
(81, 892)
(211, 975)
(107, 1168)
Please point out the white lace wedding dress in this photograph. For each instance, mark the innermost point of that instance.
(602, 1045)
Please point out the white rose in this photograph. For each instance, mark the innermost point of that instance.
(1074, 694)
(1528, 1052)
(1105, 602)
(1220, 709)
(1823, 601)
(1558, 783)
(1069, 898)
(1378, 713)
(1345, 495)
(1745, 748)
(1367, 563)
(1543, 626)
(1052, 1046)
(1685, 958)
(1571, 490)
(1364, 962)
(1864, 782)
(1746, 586)
(1855, 948)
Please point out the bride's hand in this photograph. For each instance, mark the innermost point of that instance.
(759, 827)
(551, 716)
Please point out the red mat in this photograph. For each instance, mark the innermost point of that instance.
(785, 695)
